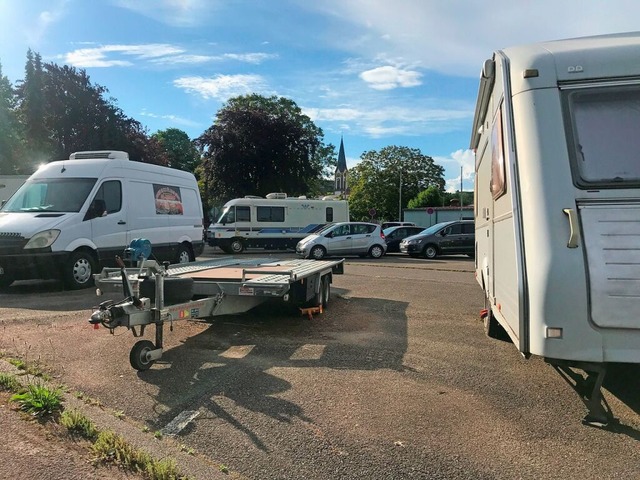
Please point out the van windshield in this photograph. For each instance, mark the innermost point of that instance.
(51, 195)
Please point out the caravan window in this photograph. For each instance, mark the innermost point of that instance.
(498, 183)
(329, 214)
(270, 214)
(603, 135)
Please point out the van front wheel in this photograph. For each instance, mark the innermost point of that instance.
(79, 269)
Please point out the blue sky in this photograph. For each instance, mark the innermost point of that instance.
(377, 72)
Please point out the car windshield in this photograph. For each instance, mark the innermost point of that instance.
(433, 228)
(325, 228)
(51, 195)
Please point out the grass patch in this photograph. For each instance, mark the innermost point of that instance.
(29, 368)
(39, 400)
(10, 382)
(111, 447)
(79, 424)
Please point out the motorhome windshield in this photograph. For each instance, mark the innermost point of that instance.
(604, 128)
(51, 195)
(235, 213)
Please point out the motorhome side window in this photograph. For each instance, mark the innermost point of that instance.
(329, 214)
(604, 137)
(270, 214)
(498, 184)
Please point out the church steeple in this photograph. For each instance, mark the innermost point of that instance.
(340, 185)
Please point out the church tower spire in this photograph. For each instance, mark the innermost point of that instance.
(340, 183)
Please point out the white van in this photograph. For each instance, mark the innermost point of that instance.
(557, 202)
(72, 217)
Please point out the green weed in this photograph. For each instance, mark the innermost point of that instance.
(9, 382)
(78, 423)
(39, 400)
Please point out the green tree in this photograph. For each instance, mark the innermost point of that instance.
(431, 197)
(11, 151)
(388, 179)
(259, 145)
(180, 150)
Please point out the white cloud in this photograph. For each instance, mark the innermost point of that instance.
(99, 56)
(174, 119)
(464, 159)
(221, 87)
(388, 77)
(254, 58)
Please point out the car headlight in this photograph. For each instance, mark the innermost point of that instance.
(417, 241)
(42, 239)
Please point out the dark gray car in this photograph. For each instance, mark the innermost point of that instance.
(447, 238)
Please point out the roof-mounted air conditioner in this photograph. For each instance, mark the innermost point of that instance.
(110, 154)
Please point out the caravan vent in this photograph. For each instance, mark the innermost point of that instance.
(276, 195)
(111, 154)
(252, 196)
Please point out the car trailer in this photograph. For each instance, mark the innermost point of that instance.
(156, 294)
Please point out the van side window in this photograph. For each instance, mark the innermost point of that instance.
(329, 214)
(111, 193)
(498, 183)
(270, 214)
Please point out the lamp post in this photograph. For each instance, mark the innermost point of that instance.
(400, 197)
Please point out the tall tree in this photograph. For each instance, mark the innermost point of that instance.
(262, 144)
(386, 180)
(32, 111)
(181, 152)
(11, 151)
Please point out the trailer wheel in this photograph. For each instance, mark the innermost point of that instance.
(376, 251)
(492, 327)
(325, 290)
(78, 270)
(184, 254)
(138, 356)
(176, 289)
(430, 252)
(237, 245)
(318, 252)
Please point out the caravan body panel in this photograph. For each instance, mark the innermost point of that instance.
(557, 199)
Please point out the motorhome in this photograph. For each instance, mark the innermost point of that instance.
(557, 204)
(72, 217)
(275, 222)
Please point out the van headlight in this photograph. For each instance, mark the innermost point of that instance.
(42, 239)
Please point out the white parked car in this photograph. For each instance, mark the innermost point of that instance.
(344, 238)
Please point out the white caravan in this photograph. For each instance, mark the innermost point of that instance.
(557, 204)
(73, 216)
(275, 222)
(9, 184)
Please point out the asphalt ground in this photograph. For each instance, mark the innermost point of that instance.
(394, 380)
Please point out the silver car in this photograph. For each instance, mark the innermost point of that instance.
(344, 238)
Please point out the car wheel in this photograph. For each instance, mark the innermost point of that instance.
(317, 252)
(376, 251)
(78, 271)
(237, 245)
(184, 254)
(430, 251)
(138, 355)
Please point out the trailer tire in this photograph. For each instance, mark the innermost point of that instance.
(317, 253)
(176, 289)
(430, 252)
(325, 291)
(77, 272)
(237, 245)
(138, 355)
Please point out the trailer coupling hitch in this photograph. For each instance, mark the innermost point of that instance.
(108, 315)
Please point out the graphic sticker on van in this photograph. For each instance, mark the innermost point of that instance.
(168, 200)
